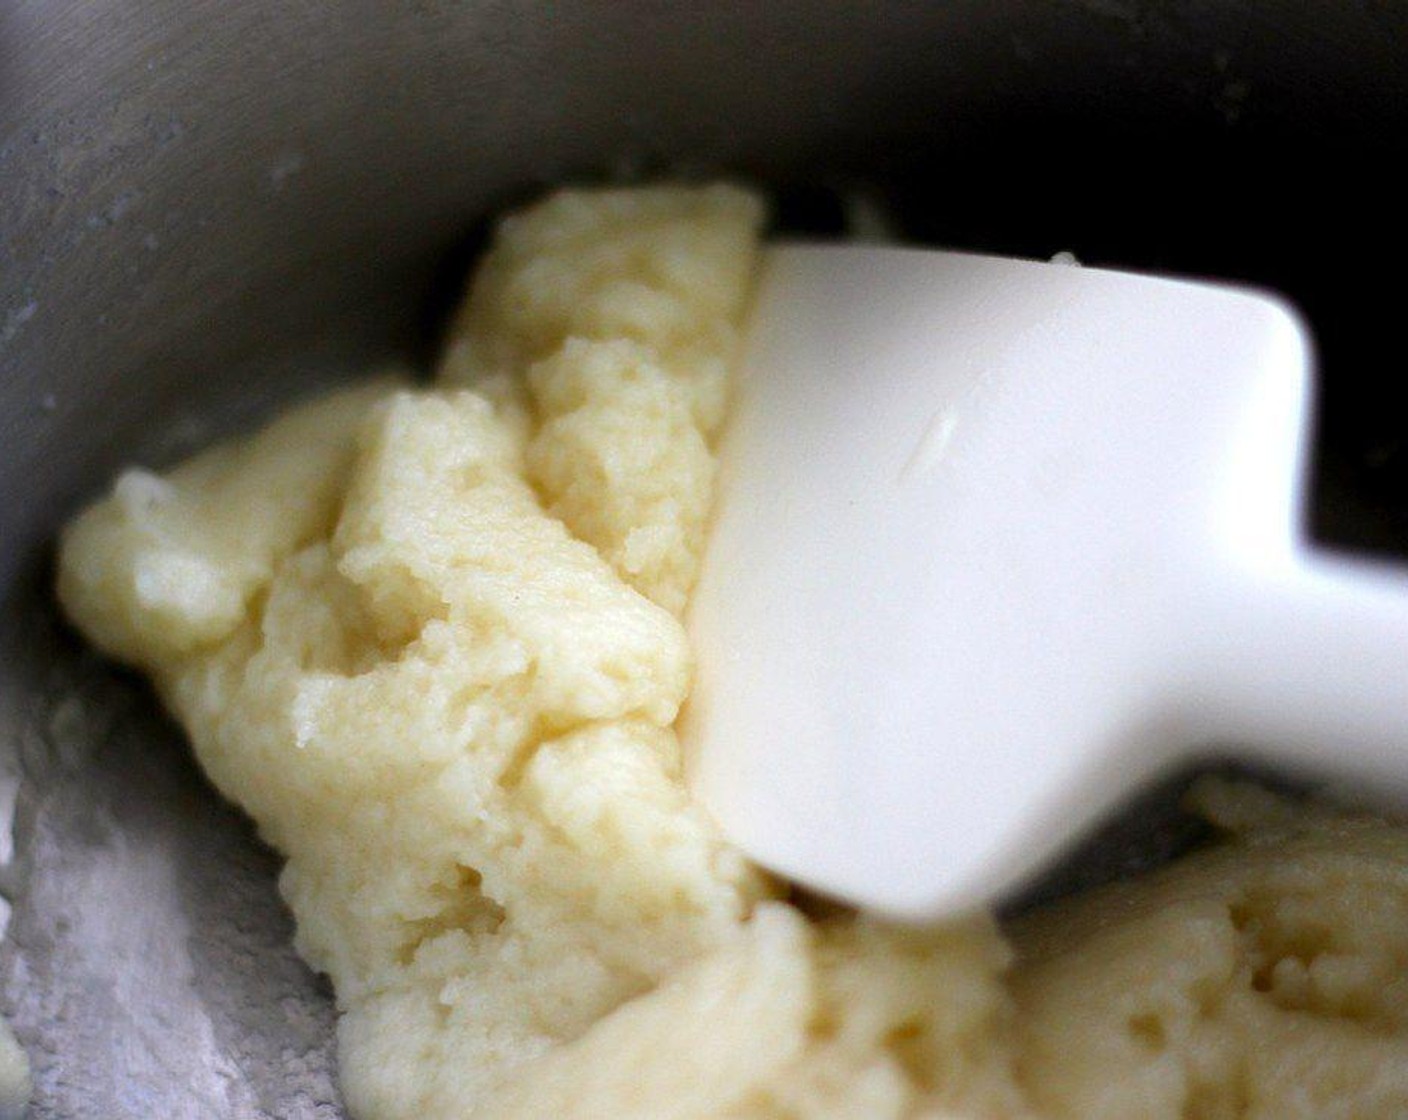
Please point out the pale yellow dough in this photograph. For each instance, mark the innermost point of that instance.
(429, 639)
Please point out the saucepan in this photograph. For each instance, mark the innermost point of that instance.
(207, 208)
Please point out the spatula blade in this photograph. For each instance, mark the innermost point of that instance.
(965, 506)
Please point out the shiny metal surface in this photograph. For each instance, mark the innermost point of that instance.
(208, 207)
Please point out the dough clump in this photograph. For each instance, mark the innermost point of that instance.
(430, 640)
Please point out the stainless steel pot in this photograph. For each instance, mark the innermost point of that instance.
(206, 207)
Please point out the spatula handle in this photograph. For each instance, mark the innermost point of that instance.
(1310, 672)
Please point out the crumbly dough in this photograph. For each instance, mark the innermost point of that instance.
(1264, 979)
(429, 639)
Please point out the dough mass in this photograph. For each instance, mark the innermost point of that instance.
(429, 639)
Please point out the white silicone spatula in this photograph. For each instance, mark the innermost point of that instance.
(996, 542)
